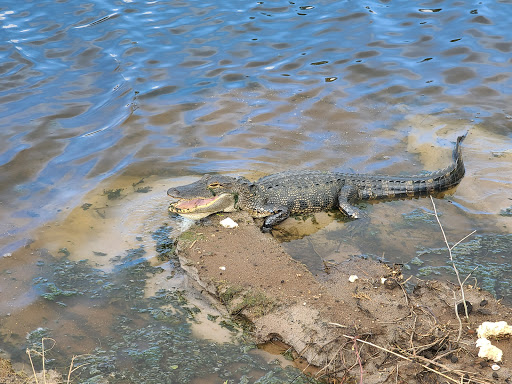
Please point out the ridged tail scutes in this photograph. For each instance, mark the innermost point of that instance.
(451, 176)
(383, 187)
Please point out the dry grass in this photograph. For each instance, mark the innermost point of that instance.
(440, 369)
(49, 376)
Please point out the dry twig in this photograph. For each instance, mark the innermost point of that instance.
(453, 263)
(424, 359)
(71, 369)
(29, 353)
(358, 361)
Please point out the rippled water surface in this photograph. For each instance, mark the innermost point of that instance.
(105, 104)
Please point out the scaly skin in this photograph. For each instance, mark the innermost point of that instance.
(277, 196)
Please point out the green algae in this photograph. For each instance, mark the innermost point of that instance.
(486, 257)
(112, 194)
(86, 206)
(35, 338)
(54, 292)
(143, 190)
(416, 261)
(228, 292)
(149, 339)
(305, 217)
(506, 212)
(419, 216)
(190, 236)
(165, 246)
(256, 302)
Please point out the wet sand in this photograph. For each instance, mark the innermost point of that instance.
(254, 279)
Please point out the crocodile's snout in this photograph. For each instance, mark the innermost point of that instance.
(173, 192)
(178, 193)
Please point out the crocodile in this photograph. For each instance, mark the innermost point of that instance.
(276, 197)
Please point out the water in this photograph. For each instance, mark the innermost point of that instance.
(98, 96)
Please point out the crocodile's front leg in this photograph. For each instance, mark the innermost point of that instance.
(278, 214)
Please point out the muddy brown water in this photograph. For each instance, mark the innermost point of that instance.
(131, 98)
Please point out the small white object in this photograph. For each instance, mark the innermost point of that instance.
(488, 351)
(495, 367)
(382, 280)
(222, 268)
(353, 278)
(489, 329)
(228, 223)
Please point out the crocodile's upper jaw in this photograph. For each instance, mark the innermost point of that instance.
(198, 208)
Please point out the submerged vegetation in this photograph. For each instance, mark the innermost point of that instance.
(165, 246)
(237, 299)
(492, 264)
(149, 339)
(113, 194)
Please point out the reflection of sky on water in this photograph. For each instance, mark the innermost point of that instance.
(170, 88)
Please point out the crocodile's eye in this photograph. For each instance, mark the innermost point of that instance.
(214, 185)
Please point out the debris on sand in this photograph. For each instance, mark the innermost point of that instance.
(228, 223)
(489, 329)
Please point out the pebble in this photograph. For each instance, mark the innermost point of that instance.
(353, 278)
(454, 359)
(390, 284)
(483, 303)
(462, 311)
(484, 311)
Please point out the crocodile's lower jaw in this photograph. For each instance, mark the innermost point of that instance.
(196, 209)
(192, 216)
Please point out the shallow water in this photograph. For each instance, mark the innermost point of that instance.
(97, 96)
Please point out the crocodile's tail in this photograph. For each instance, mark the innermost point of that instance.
(383, 187)
(451, 176)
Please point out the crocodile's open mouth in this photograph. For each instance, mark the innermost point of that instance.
(197, 208)
(192, 204)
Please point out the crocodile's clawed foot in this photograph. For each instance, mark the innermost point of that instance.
(266, 229)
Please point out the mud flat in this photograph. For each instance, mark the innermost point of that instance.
(379, 328)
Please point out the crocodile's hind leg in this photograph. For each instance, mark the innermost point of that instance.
(346, 198)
